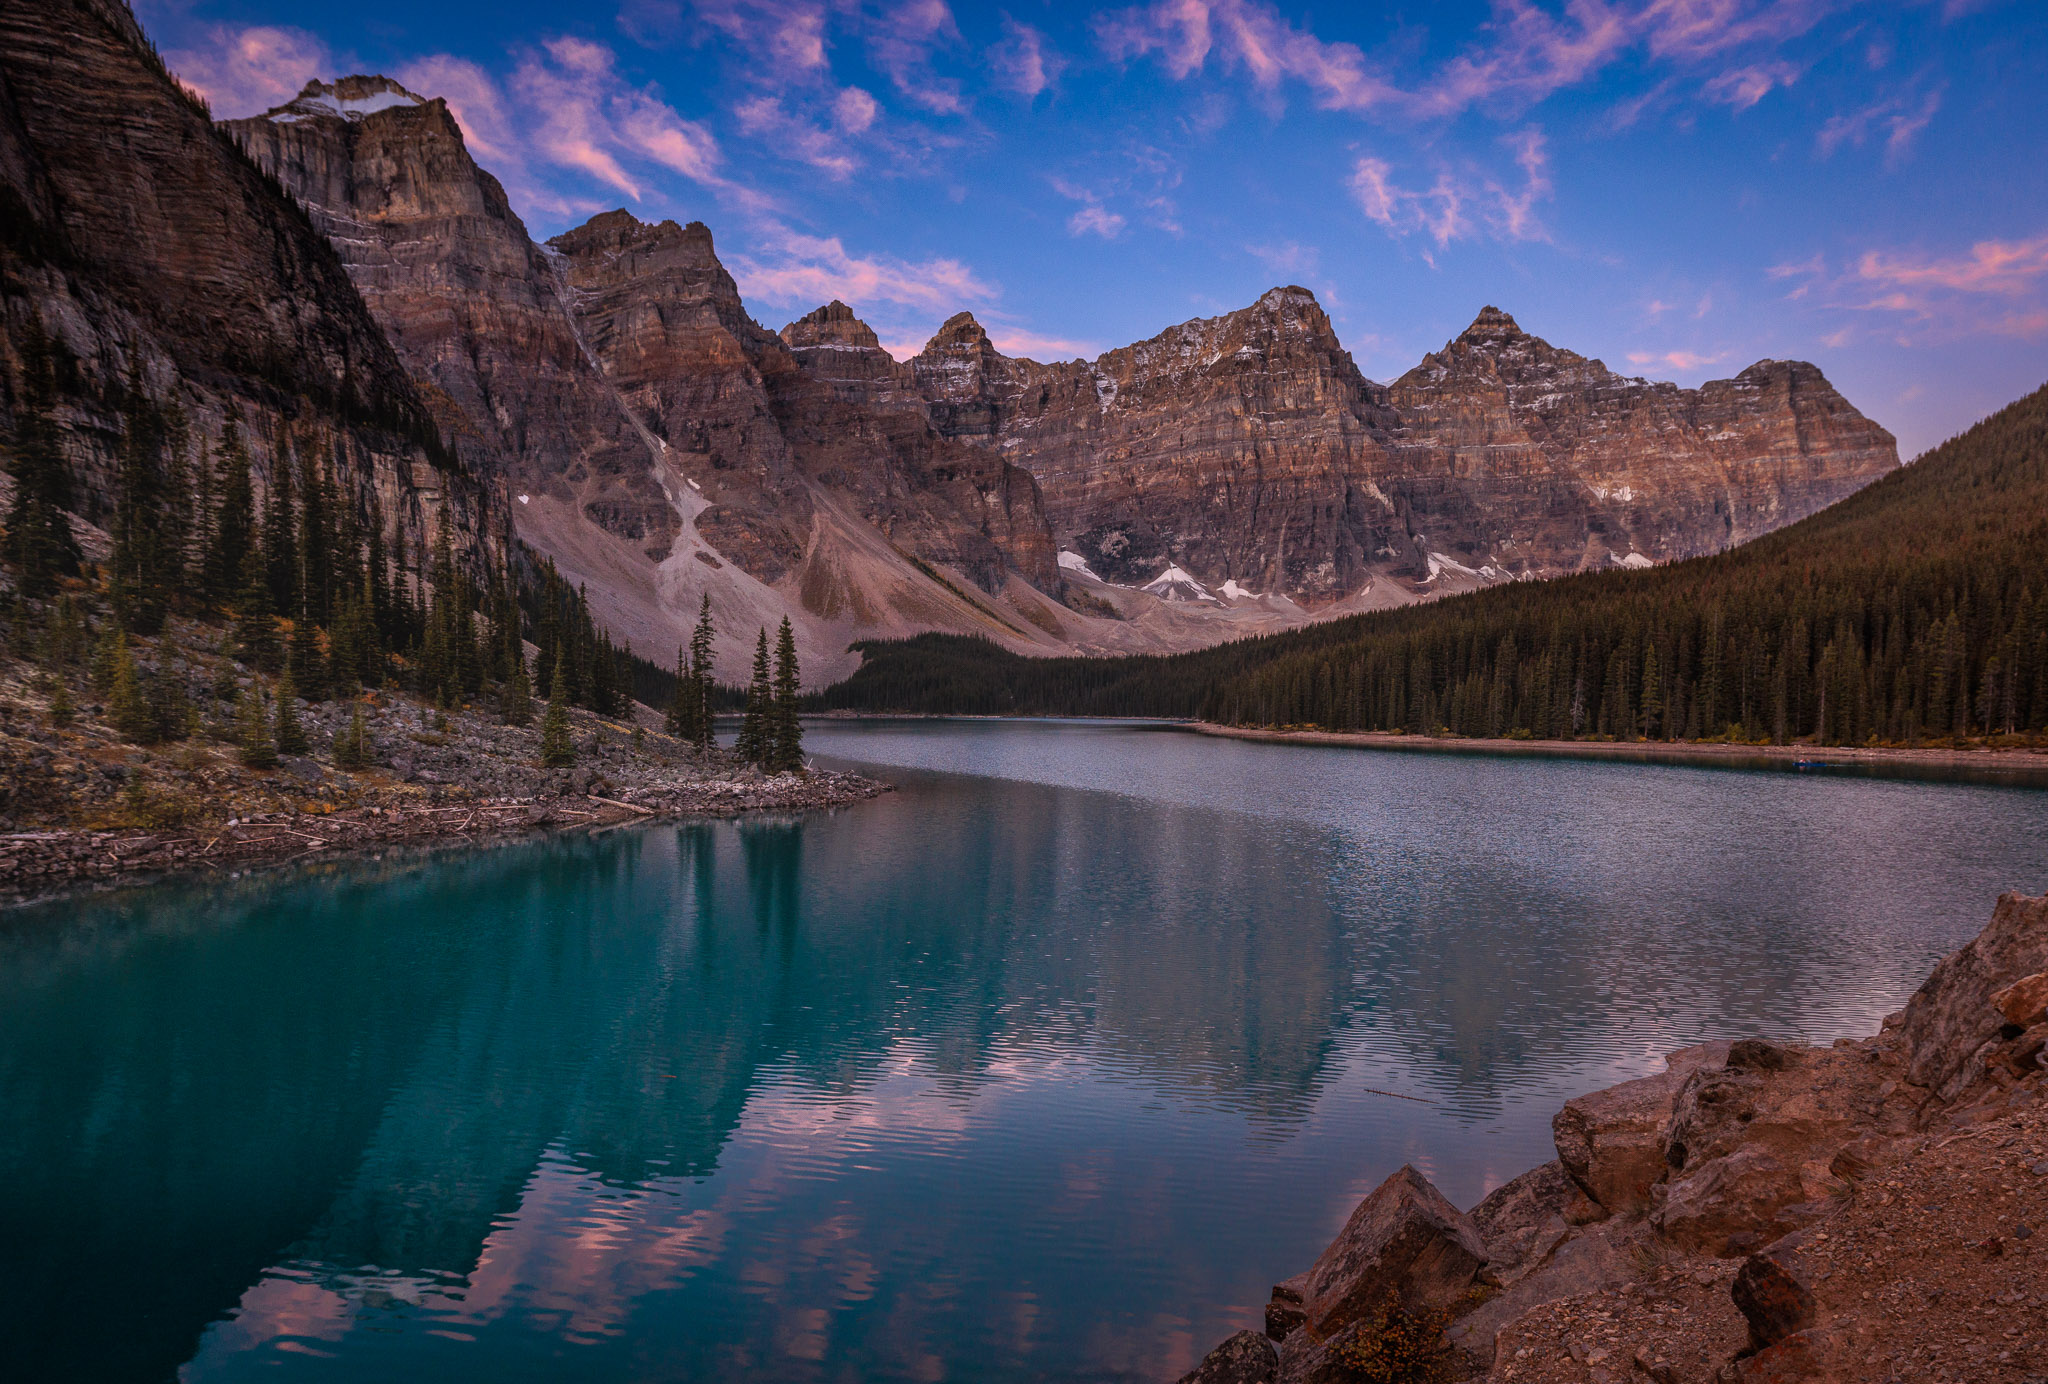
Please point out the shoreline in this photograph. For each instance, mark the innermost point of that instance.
(1756, 1213)
(2030, 764)
(39, 865)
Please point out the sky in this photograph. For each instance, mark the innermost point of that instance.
(1677, 187)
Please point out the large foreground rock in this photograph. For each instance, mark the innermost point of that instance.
(1611, 1142)
(1404, 1239)
(1952, 1016)
(1246, 1358)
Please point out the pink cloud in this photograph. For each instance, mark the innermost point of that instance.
(248, 70)
(1096, 221)
(1249, 36)
(1899, 119)
(1022, 62)
(2008, 268)
(1018, 341)
(1743, 87)
(901, 39)
(1675, 360)
(1459, 203)
(797, 269)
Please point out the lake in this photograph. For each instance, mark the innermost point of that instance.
(1044, 1067)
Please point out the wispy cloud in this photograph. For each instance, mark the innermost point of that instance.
(1020, 341)
(587, 118)
(1248, 36)
(789, 268)
(1024, 61)
(901, 38)
(1094, 220)
(246, 70)
(1743, 87)
(1460, 202)
(1898, 119)
(1675, 360)
(1996, 288)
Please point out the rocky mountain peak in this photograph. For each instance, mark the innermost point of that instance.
(958, 330)
(347, 98)
(833, 325)
(1491, 327)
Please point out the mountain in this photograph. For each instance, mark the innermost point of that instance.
(153, 255)
(1249, 449)
(1912, 611)
(660, 444)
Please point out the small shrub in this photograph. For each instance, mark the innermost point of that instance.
(1397, 1347)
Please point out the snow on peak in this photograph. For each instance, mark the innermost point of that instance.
(1074, 562)
(350, 98)
(1635, 559)
(1232, 591)
(1175, 584)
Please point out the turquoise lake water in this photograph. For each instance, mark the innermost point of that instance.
(1043, 1067)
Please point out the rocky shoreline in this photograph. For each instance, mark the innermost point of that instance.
(2024, 762)
(1757, 1213)
(32, 863)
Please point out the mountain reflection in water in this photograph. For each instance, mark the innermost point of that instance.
(996, 1077)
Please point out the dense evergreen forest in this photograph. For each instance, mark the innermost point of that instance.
(1913, 611)
(305, 577)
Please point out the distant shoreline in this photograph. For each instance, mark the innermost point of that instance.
(2032, 764)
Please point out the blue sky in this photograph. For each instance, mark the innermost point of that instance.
(1679, 187)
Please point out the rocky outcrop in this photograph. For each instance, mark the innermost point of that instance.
(659, 443)
(1789, 1183)
(1403, 1240)
(1248, 448)
(473, 307)
(1952, 1023)
(149, 247)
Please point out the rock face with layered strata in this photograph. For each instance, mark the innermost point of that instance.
(1249, 448)
(474, 309)
(149, 249)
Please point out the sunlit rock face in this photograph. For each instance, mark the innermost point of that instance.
(478, 313)
(1249, 448)
(152, 254)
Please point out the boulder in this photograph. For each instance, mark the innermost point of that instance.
(1404, 1238)
(1772, 1299)
(1246, 1358)
(1611, 1142)
(2024, 1003)
(1284, 1310)
(1523, 1220)
(1951, 1017)
(1587, 1262)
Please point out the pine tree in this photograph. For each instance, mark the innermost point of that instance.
(127, 708)
(309, 667)
(352, 747)
(39, 541)
(255, 625)
(555, 750)
(701, 673)
(281, 535)
(517, 701)
(787, 751)
(757, 738)
(256, 736)
(681, 721)
(137, 580)
(316, 541)
(234, 523)
(62, 712)
(290, 736)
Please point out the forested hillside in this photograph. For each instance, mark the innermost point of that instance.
(1915, 609)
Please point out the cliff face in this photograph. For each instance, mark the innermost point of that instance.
(142, 239)
(1248, 448)
(661, 444)
(471, 305)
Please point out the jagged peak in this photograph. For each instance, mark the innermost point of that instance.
(618, 228)
(1287, 296)
(1491, 325)
(958, 330)
(831, 325)
(355, 97)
